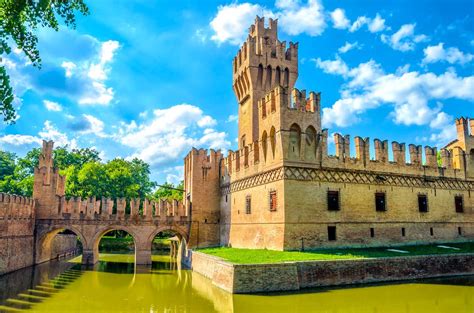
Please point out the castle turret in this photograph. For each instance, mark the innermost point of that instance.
(201, 182)
(261, 64)
(48, 184)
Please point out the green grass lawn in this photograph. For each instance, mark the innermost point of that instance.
(250, 256)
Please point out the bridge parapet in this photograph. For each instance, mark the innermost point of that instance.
(121, 209)
(13, 206)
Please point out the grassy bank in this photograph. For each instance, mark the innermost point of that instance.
(250, 256)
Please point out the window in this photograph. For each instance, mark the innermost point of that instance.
(380, 201)
(331, 233)
(458, 203)
(248, 205)
(273, 200)
(226, 198)
(422, 203)
(333, 200)
(431, 231)
(459, 231)
(403, 232)
(372, 232)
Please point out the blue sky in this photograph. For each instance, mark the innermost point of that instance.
(152, 79)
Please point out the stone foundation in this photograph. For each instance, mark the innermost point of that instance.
(253, 278)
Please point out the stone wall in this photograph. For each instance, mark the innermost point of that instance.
(16, 232)
(64, 244)
(252, 278)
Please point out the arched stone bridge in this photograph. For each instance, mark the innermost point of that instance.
(91, 219)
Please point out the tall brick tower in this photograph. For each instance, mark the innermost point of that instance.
(48, 184)
(261, 64)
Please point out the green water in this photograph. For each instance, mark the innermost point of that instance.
(116, 285)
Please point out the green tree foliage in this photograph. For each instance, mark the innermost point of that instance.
(169, 191)
(86, 174)
(19, 21)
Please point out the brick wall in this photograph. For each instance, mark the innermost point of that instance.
(252, 278)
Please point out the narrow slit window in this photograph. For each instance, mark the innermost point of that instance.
(333, 200)
(372, 232)
(459, 231)
(431, 231)
(248, 205)
(331, 233)
(380, 203)
(403, 232)
(459, 204)
(273, 201)
(422, 203)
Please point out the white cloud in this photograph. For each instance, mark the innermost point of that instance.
(206, 121)
(174, 174)
(50, 132)
(451, 55)
(339, 19)
(52, 106)
(377, 24)
(233, 20)
(19, 140)
(361, 21)
(445, 127)
(349, 46)
(409, 94)
(86, 124)
(170, 133)
(297, 19)
(68, 67)
(93, 75)
(336, 66)
(98, 71)
(232, 118)
(404, 39)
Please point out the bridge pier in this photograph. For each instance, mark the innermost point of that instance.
(143, 257)
(89, 257)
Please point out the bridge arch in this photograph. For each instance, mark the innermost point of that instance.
(177, 249)
(91, 256)
(44, 243)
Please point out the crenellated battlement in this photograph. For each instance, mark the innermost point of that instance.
(120, 209)
(422, 160)
(13, 206)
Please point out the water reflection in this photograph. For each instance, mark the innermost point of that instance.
(123, 287)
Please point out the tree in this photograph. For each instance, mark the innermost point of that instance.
(19, 20)
(169, 191)
(86, 174)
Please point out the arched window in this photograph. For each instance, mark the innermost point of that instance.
(277, 76)
(273, 140)
(286, 79)
(264, 144)
(310, 150)
(242, 141)
(260, 75)
(268, 78)
(295, 142)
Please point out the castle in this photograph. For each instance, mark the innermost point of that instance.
(281, 190)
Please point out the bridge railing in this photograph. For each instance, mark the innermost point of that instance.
(13, 206)
(106, 208)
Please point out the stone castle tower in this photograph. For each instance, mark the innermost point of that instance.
(49, 185)
(271, 111)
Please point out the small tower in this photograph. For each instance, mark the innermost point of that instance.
(261, 64)
(48, 184)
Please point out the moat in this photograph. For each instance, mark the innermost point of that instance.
(115, 284)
